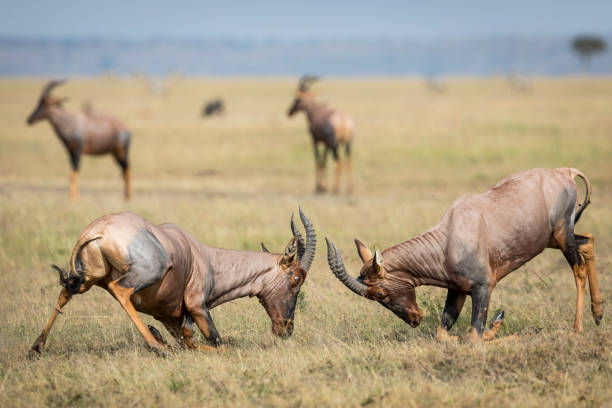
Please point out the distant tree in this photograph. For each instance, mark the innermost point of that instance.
(586, 46)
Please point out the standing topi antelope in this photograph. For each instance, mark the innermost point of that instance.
(161, 270)
(84, 133)
(480, 239)
(329, 128)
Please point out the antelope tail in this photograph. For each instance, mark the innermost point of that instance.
(587, 198)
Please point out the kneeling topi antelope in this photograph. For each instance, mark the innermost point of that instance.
(161, 270)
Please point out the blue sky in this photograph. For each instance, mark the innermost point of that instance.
(141, 20)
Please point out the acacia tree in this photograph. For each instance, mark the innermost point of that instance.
(586, 46)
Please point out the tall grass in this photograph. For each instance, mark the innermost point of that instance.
(233, 181)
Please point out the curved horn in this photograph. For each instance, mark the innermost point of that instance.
(337, 266)
(50, 85)
(264, 249)
(295, 231)
(306, 81)
(311, 243)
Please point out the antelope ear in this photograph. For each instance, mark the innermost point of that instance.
(363, 251)
(264, 249)
(290, 252)
(378, 264)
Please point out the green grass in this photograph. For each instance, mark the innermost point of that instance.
(233, 182)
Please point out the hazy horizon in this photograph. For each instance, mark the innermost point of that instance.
(140, 20)
(285, 38)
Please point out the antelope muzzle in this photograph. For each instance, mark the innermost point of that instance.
(282, 328)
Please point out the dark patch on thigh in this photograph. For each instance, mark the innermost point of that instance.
(564, 209)
(470, 267)
(125, 137)
(330, 135)
(147, 259)
(75, 159)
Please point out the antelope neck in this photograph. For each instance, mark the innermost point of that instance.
(418, 261)
(236, 274)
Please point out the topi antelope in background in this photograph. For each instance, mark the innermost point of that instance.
(85, 132)
(330, 129)
(161, 270)
(480, 239)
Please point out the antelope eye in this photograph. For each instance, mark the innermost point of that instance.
(381, 294)
(297, 279)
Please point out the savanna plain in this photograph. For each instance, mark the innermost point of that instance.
(233, 181)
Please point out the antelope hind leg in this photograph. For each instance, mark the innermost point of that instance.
(586, 248)
(497, 321)
(123, 297)
(74, 185)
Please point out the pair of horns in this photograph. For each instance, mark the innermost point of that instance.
(50, 85)
(334, 259)
(306, 81)
(305, 249)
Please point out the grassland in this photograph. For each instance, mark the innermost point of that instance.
(233, 181)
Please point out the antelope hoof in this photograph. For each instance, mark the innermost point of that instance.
(597, 316)
(598, 319)
(498, 318)
(157, 335)
(36, 349)
(161, 352)
(34, 353)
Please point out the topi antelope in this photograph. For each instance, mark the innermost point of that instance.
(161, 270)
(84, 132)
(329, 128)
(480, 239)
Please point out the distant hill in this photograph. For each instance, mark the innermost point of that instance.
(474, 57)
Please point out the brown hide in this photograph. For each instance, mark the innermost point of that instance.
(163, 271)
(480, 239)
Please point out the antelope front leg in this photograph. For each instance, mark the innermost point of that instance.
(320, 158)
(206, 325)
(587, 250)
(127, 181)
(40, 341)
(480, 308)
(452, 309)
(123, 297)
(75, 158)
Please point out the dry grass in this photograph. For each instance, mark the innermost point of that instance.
(233, 182)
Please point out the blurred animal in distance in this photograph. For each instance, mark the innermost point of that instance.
(213, 107)
(331, 130)
(84, 132)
